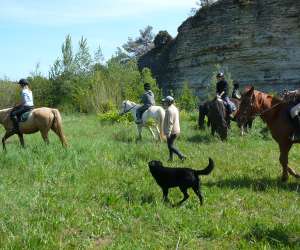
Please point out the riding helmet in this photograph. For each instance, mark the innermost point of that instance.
(220, 74)
(23, 82)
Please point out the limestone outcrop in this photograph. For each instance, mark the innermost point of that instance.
(258, 41)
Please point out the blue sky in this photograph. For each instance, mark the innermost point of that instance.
(32, 31)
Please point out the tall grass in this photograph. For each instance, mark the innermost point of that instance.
(98, 194)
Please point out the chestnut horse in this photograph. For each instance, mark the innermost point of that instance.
(40, 119)
(275, 113)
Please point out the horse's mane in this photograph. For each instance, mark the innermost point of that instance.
(273, 99)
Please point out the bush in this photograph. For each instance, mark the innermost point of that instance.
(187, 100)
(114, 117)
(8, 95)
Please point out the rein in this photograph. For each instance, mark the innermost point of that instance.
(269, 109)
(128, 109)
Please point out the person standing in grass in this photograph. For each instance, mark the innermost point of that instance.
(172, 127)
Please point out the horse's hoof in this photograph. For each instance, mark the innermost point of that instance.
(284, 178)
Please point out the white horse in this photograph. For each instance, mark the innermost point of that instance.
(155, 112)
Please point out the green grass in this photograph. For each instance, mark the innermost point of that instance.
(98, 194)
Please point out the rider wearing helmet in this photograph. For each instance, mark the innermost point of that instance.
(222, 91)
(147, 100)
(25, 105)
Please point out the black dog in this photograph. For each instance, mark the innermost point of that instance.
(183, 178)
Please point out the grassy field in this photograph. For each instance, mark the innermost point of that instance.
(99, 194)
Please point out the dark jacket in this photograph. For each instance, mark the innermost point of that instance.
(148, 98)
(222, 86)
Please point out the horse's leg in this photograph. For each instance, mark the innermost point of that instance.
(158, 133)
(292, 171)
(45, 136)
(21, 138)
(139, 128)
(151, 131)
(6, 136)
(284, 154)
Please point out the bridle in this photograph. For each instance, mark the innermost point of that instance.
(126, 111)
(250, 110)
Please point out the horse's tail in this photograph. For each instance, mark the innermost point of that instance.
(57, 126)
(161, 124)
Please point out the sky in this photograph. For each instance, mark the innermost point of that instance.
(32, 31)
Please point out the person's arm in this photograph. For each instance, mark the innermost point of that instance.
(168, 123)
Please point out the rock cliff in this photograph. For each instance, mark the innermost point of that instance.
(258, 41)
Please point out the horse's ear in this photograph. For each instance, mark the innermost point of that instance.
(249, 91)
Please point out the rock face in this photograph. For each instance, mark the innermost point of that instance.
(257, 41)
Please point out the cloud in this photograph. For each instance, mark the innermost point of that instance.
(79, 11)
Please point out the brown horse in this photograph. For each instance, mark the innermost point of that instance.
(274, 112)
(40, 119)
(205, 109)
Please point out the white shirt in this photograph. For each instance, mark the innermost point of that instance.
(171, 121)
(26, 97)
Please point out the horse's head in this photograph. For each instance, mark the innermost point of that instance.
(248, 107)
(126, 106)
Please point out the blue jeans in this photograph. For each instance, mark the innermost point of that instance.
(230, 106)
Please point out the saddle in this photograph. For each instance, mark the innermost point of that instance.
(24, 117)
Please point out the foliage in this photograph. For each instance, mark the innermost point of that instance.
(140, 45)
(186, 99)
(8, 94)
(77, 83)
(114, 117)
(162, 38)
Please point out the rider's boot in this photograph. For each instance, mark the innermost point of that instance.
(296, 134)
(15, 128)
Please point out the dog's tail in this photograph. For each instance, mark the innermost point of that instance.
(206, 170)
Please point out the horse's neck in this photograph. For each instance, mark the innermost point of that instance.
(268, 107)
(3, 114)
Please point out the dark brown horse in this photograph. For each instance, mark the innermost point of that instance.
(275, 113)
(204, 109)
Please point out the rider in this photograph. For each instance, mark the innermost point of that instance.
(222, 91)
(236, 92)
(147, 100)
(294, 96)
(25, 105)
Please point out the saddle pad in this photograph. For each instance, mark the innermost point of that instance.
(24, 116)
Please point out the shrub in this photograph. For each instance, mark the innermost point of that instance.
(187, 100)
(114, 117)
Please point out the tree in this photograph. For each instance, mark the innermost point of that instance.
(162, 39)
(67, 52)
(140, 45)
(83, 60)
(98, 56)
(187, 100)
